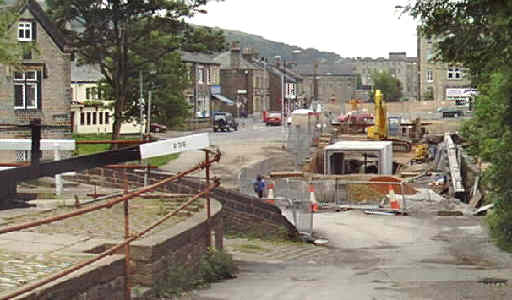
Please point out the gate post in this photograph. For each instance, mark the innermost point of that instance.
(35, 150)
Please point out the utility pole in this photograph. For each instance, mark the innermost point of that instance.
(315, 82)
(285, 90)
(141, 105)
(148, 127)
(264, 108)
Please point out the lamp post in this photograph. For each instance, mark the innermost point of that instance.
(141, 105)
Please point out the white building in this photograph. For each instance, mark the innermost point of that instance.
(91, 113)
(377, 153)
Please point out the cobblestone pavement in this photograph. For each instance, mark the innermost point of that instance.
(108, 223)
(17, 269)
(35, 253)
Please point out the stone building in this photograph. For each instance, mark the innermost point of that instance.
(204, 95)
(440, 82)
(397, 64)
(41, 86)
(243, 81)
(332, 84)
(284, 81)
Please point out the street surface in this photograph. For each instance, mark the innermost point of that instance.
(421, 256)
(251, 143)
(377, 257)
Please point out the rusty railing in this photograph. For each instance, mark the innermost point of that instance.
(128, 238)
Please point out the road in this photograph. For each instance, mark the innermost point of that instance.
(251, 143)
(367, 257)
(378, 257)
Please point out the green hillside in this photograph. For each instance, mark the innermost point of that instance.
(269, 49)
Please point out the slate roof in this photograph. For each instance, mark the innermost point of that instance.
(327, 69)
(200, 58)
(85, 73)
(224, 59)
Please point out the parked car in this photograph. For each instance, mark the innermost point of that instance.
(273, 119)
(224, 121)
(155, 127)
(450, 112)
(356, 117)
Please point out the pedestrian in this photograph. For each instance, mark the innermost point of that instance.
(259, 186)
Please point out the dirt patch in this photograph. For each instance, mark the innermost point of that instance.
(397, 188)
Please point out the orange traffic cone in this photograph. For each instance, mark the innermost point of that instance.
(312, 199)
(393, 200)
(270, 196)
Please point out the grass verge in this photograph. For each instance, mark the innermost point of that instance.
(86, 149)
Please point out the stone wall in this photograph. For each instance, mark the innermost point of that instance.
(103, 279)
(242, 213)
(182, 245)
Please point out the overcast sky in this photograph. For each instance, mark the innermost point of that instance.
(349, 28)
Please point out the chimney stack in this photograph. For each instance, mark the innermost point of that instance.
(278, 61)
(235, 55)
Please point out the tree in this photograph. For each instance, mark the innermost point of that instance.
(125, 38)
(478, 35)
(389, 85)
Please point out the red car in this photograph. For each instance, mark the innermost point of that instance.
(273, 118)
(356, 117)
(155, 127)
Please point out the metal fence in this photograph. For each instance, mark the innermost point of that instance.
(129, 237)
(340, 193)
(295, 196)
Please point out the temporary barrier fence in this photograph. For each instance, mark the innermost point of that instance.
(335, 193)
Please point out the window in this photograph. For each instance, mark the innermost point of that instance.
(454, 73)
(27, 90)
(88, 118)
(93, 118)
(107, 117)
(25, 31)
(91, 93)
(429, 93)
(430, 76)
(200, 75)
(208, 76)
(82, 118)
(100, 117)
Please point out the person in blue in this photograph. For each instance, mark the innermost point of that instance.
(259, 186)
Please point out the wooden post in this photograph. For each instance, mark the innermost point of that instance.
(35, 150)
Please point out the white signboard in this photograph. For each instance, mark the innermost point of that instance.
(46, 144)
(464, 92)
(176, 145)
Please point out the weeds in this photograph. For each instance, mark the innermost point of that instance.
(500, 227)
(214, 265)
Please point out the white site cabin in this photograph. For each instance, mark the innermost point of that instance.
(336, 154)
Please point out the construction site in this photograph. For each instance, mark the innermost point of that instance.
(346, 190)
(354, 162)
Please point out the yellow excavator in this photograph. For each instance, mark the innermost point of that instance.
(380, 130)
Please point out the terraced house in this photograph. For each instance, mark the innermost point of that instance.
(40, 86)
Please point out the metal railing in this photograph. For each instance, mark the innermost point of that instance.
(128, 237)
